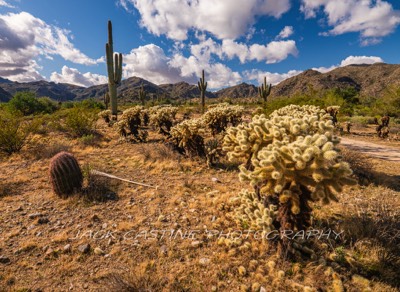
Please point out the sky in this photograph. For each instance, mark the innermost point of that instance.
(168, 41)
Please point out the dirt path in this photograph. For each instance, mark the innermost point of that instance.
(374, 150)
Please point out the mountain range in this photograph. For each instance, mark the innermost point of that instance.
(368, 80)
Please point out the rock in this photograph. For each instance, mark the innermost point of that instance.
(216, 180)
(104, 226)
(4, 260)
(43, 220)
(95, 218)
(204, 261)
(162, 218)
(163, 249)
(67, 248)
(196, 243)
(19, 209)
(84, 248)
(262, 289)
(49, 251)
(98, 251)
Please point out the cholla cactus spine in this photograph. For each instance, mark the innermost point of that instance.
(65, 174)
(114, 69)
(202, 87)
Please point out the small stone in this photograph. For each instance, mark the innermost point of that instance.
(67, 248)
(43, 220)
(196, 243)
(98, 251)
(84, 248)
(162, 218)
(19, 209)
(262, 289)
(204, 261)
(163, 249)
(4, 260)
(214, 179)
(95, 218)
(214, 288)
(104, 226)
(49, 251)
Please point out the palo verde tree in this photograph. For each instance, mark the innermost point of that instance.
(114, 70)
(202, 87)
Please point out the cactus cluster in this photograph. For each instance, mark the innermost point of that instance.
(65, 175)
(133, 119)
(188, 136)
(291, 160)
(163, 118)
(219, 117)
(333, 111)
(105, 115)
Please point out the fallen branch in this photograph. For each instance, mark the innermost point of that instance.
(96, 172)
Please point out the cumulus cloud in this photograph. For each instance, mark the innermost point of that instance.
(273, 52)
(286, 32)
(175, 18)
(73, 76)
(150, 62)
(372, 19)
(273, 78)
(351, 60)
(24, 38)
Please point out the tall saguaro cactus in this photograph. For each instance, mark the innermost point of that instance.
(264, 90)
(202, 87)
(114, 69)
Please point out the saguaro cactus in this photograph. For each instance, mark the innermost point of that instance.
(202, 87)
(142, 95)
(65, 174)
(114, 69)
(264, 91)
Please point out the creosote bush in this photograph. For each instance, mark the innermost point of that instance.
(80, 121)
(15, 131)
(290, 160)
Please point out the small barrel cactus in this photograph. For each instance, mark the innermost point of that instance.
(65, 174)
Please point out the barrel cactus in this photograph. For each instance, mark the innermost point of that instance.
(65, 175)
(291, 159)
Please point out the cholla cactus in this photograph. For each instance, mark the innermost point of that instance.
(219, 117)
(213, 151)
(105, 115)
(333, 111)
(132, 119)
(292, 159)
(163, 118)
(187, 136)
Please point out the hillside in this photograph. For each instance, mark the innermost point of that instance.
(369, 80)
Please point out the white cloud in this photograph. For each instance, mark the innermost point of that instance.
(73, 76)
(151, 63)
(372, 19)
(273, 52)
(273, 78)
(351, 60)
(5, 4)
(286, 32)
(224, 18)
(25, 38)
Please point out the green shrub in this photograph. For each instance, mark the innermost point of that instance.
(80, 121)
(24, 102)
(15, 131)
(91, 104)
(47, 105)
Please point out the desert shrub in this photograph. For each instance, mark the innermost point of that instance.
(88, 140)
(219, 117)
(163, 117)
(291, 159)
(130, 124)
(47, 105)
(15, 131)
(80, 121)
(46, 150)
(25, 102)
(90, 103)
(187, 137)
(359, 163)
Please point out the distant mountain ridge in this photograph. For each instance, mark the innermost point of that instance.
(369, 80)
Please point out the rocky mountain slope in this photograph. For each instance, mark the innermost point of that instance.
(369, 80)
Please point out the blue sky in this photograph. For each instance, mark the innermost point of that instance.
(166, 41)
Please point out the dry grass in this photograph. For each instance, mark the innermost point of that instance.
(187, 199)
